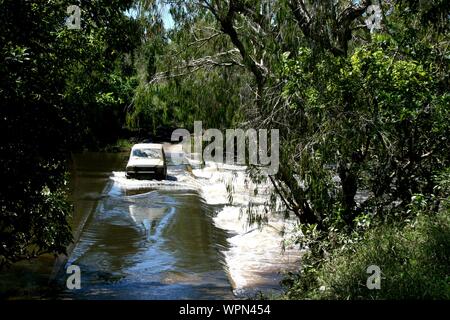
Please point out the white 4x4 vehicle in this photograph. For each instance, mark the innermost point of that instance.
(147, 159)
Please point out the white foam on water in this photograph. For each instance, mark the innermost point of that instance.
(230, 219)
(255, 257)
(217, 180)
(181, 183)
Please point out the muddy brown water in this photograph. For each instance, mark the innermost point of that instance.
(141, 244)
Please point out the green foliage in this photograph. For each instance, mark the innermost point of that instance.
(149, 111)
(413, 255)
(413, 259)
(178, 84)
(363, 116)
(57, 86)
(377, 119)
(360, 114)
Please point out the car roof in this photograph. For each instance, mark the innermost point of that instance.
(148, 146)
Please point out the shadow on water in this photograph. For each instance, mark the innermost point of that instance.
(151, 244)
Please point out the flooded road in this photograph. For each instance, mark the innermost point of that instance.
(180, 238)
(143, 243)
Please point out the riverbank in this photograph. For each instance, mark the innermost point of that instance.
(413, 259)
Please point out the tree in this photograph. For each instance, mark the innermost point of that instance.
(356, 109)
(187, 73)
(47, 77)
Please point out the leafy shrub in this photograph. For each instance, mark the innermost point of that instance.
(414, 261)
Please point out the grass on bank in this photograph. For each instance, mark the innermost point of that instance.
(414, 261)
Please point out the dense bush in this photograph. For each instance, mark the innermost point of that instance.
(414, 261)
(60, 90)
(413, 255)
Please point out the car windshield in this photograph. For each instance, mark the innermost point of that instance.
(147, 153)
